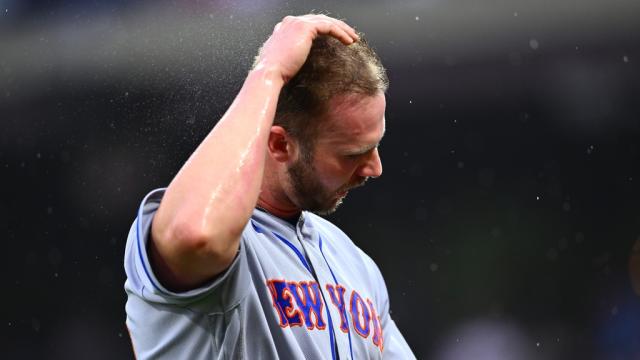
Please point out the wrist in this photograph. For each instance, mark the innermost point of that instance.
(270, 74)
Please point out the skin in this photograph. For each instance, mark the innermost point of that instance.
(245, 160)
(344, 156)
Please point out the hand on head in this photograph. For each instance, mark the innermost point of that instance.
(287, 48)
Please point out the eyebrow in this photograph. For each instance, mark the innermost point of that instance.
(363, 150)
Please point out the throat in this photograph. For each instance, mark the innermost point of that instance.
(290, 214)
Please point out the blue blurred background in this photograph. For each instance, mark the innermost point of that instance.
(507, 222)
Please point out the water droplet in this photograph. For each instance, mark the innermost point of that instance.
(590, 149)
(410, 102)
(538, 344)
(417, 18)
(534, 44)
(625, 59)
(537, 197)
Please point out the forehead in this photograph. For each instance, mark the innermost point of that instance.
(353, 120)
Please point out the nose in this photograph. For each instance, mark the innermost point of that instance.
(373, 165)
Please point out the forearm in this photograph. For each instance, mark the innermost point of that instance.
(210, 200)
(196, 231)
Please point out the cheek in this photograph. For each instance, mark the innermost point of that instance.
(335, 174)
(346, 173)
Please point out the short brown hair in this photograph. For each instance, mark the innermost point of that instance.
(331, 69)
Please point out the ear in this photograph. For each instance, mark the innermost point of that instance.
(280, 145)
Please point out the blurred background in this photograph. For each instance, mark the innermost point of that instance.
(507, 221)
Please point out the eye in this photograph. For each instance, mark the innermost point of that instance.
(352, 156)
(361, 154)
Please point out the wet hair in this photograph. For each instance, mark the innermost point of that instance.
(331, 69)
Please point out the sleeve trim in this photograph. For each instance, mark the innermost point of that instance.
(143, 260)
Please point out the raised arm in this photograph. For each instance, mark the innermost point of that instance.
(196, 230)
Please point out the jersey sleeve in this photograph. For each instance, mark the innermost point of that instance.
(141, 279)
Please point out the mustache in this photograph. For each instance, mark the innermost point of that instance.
(354, 185)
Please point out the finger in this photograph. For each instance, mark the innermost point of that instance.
(333, 29)
(351, 31)
(353, 34)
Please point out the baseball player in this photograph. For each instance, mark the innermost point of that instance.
(230, 261)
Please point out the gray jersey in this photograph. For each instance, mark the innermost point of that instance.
(292, 292)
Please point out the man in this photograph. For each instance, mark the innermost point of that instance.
(228, 261)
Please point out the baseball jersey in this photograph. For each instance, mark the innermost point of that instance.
(292, 292)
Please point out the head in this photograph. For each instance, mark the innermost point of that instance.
(344, 154)
(331, 115)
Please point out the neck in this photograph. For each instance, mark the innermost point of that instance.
(272, 196)
(281, 211)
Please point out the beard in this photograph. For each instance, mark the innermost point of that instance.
(310, 194)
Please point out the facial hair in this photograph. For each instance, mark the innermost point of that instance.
(311, 194)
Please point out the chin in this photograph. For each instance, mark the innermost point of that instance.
(328, 209)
